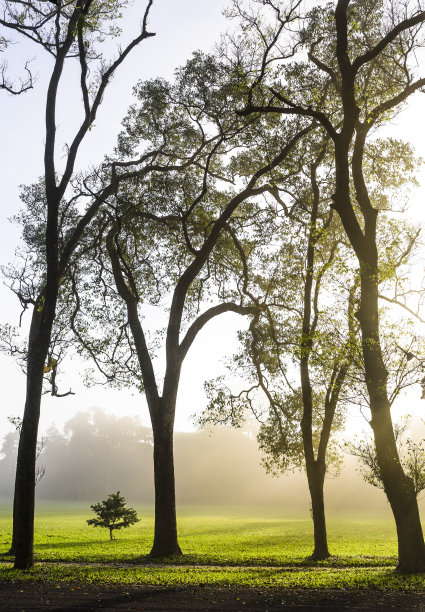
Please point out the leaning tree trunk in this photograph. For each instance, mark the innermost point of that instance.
(165, 539)
(401, 495)
(399, 488)
(316, 478)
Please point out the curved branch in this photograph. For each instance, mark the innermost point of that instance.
(207, 316)
(388, 39)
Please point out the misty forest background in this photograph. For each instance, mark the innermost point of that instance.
(96, 453)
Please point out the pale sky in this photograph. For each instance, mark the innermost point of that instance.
(181, 27)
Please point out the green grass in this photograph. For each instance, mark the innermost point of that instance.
(245, 549)
(352, 578)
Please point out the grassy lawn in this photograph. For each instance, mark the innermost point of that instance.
(248, 549)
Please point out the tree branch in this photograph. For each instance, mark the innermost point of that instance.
(206, 316)
(388, 39)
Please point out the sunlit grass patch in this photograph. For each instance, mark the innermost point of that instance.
(218, 539)
(352, 578)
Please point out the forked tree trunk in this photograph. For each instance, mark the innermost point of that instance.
(165, 539)
(315, 468)
(316, 478)
(162, 418)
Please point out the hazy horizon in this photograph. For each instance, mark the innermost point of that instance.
(98, 453)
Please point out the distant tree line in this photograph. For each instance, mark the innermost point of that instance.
(97, 452)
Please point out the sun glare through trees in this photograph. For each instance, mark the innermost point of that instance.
(248, 221)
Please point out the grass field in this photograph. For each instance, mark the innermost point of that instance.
(222, 547)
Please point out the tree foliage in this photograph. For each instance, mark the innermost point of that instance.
(411, 452)
(113, 514)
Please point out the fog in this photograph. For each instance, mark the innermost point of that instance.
(97, 454)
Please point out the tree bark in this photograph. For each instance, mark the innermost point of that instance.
(24, 498)
(316, 468)
(316, 471)
(165, 539)
(399, 488)
(13, 544)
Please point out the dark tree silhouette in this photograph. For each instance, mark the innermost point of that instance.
(361, 67)
(173, 241)
(68, 31)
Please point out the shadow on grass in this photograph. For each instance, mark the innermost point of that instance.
(77, 544)
(110, 553)
(6, 556)
(334, 561)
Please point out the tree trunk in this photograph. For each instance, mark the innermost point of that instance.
(411, 549)
(398, 487)
(13, 544)
(316, 469)
(401, 495)
(400, 492)
(162, 413)
(24, 497)
(165, 540)
(316, 478)
(25, 471)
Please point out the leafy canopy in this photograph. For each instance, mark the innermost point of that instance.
(113, 514)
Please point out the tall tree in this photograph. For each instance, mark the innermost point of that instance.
(69, 31)
(168, 241)
(303, 321)
(361, 67)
